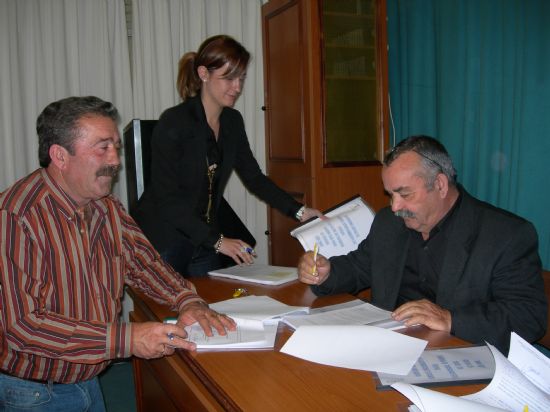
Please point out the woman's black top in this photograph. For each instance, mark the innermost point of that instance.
(174, 203)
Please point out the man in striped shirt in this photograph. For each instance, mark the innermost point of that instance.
(67, 247)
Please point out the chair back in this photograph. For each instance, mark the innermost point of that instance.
(545, 341)
(137, 156)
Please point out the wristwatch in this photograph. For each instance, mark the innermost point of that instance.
(300, 213)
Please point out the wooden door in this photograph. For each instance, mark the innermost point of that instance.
(286, 123)
(296, 101)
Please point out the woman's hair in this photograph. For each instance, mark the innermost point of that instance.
(213, 53)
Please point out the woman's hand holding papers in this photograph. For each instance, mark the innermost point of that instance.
(310, 213)
(313, 272)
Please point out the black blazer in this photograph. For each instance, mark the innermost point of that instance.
(167, 209)
(490, 280)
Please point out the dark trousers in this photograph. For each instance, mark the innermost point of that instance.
(191, 261)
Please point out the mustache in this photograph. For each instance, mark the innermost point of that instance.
(404, 213)
(111, 170)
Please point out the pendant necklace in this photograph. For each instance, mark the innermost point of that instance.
(210, 172)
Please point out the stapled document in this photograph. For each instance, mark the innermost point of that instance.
(256, 317)
(347, 225)
(355, 312)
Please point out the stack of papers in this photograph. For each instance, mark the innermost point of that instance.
(262, 308)
(520, 383)
(250, 334)
(258, 273)
(256, 317)
(355, 312)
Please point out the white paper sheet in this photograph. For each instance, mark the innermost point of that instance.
(256, 308)
(258, 273)
(510, 389)
(356, 347)
(533, 364)
(362, 314)
(431, 401)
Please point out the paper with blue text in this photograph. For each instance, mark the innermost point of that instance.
(520, 383)
(347, 225)
(473, 364)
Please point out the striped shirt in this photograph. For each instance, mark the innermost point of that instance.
(62, 281)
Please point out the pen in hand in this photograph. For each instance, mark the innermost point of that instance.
(315, 251)
(249, 250)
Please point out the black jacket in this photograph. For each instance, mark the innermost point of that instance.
(490, 280)
(167, 209)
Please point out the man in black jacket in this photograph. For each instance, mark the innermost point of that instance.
(441, 258)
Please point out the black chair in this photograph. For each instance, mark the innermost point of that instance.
(137, 155)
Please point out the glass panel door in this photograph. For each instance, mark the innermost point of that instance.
(350, 82)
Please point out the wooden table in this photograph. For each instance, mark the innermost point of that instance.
(262, 380)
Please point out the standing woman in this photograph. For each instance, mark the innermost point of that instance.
(195, 147)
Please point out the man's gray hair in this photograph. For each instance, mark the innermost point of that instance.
(435, 158)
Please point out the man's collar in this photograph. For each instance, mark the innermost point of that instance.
(448, 216)
(63, 200)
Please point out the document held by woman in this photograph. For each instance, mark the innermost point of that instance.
(347, 225)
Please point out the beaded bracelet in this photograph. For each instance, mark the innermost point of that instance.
(219, 243)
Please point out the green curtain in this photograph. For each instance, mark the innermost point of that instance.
(475, 74)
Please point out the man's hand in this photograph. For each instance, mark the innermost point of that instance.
(313, 272)
(424, 312)
(206, 317)
(153, 339)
